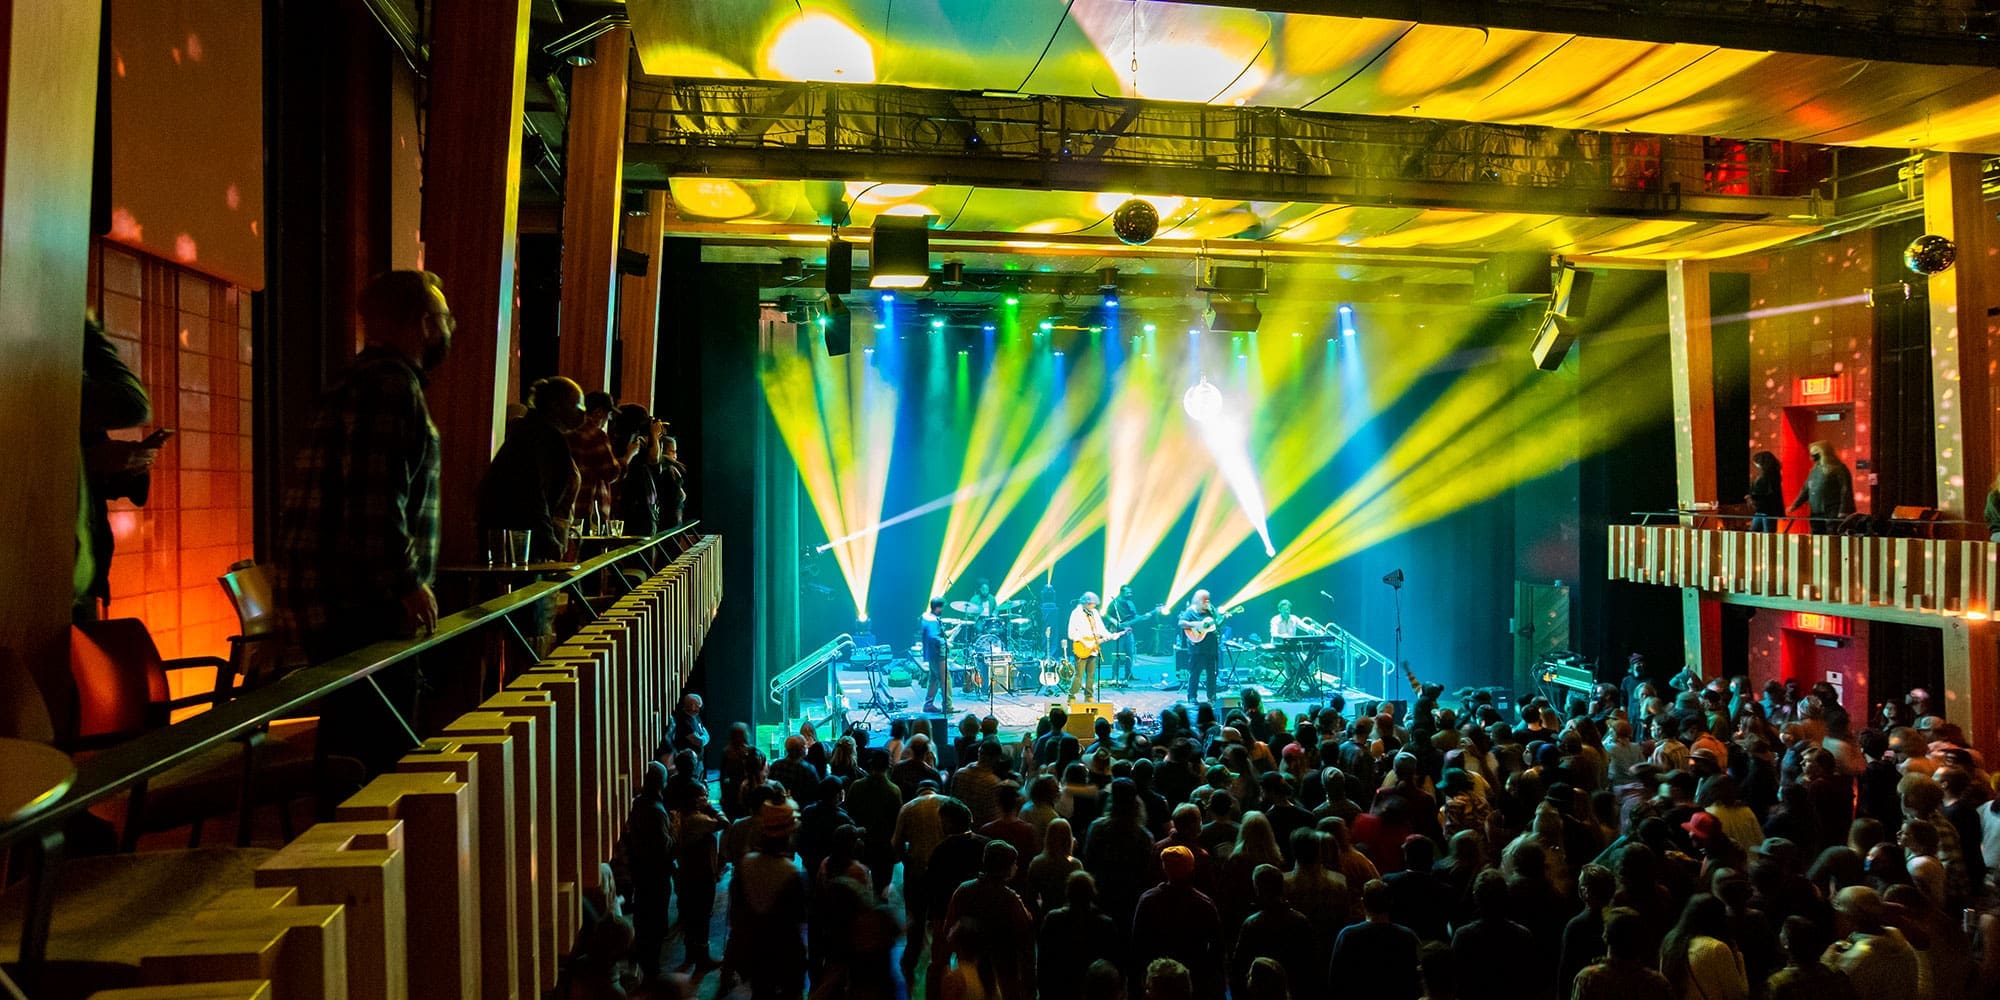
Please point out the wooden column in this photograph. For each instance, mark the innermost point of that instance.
(48, 94)
(1691, 344)
(1962, 352)
(1960, 339)
(471, 190)
(639, 305)
(593, 193)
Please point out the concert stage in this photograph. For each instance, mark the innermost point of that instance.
(1018, 710)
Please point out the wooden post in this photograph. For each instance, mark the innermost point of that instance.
(1691, 344)
(639, 305)
(48, 93)
(1962, 352)
(593, 205)
(478, 77)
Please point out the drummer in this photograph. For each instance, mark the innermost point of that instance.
(983, 603)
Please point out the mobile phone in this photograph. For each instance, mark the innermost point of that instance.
(158, 437)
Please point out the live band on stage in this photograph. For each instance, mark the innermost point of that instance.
(984, 647)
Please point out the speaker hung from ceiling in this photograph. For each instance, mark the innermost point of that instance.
(900, 254)
(839, 266)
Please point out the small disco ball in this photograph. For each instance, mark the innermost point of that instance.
(1928, 255)
(1202, 401)
(1136, 222)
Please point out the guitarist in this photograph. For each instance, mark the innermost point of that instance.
(1087, 636)
(936, 648)
(1201, 643)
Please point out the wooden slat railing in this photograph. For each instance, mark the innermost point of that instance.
(1857, 576)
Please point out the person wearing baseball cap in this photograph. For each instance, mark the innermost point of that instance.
(1175, 920)
(767, 906)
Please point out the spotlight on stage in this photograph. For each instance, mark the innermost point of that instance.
(837, 324)
(1202, 401)
(1394, 578)
(899, 256)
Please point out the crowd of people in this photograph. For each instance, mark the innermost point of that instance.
(1705, 842)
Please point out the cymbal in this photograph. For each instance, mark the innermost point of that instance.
(1013, 605)
(954, 621)
(1019, 621)
(965, 607)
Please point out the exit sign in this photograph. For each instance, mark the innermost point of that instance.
(1820, 386)
(1812, 623)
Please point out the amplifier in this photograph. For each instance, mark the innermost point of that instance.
(1083, 716)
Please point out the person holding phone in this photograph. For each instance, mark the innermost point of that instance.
(113, 399)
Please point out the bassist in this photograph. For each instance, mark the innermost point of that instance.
(1122, 614)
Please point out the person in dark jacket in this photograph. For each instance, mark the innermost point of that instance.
(1767, 492)
(533, 482)
(1828, 493)
(1072, 937)
(649, 846)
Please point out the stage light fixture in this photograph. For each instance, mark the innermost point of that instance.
(1149, 328)
(953, 273)
(937, 324)
(792, 268)
(900, 256)
(1012, 300)
(1107, 279)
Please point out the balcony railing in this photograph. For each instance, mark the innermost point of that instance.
(1858, 576)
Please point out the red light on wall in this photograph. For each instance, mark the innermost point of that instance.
(1807, 622)
(1820, 386)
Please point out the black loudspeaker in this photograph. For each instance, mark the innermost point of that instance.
(839, 328)
(839, 267)
(632, 262)
(1553, 338)
(1514, 277)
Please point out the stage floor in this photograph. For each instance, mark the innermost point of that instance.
(1018, 711)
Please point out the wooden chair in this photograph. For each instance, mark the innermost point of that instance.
(284, 755)
(254, 652)
(123, 690)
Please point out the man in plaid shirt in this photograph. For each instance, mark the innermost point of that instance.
(357, 547)
(596, 461)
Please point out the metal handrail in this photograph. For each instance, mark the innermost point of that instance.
(782, 686)
(1790, 524)
(122, 766)
(1353, 651)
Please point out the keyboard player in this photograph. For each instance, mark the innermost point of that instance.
(1285, 625)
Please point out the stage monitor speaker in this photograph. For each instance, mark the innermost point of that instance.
(1083, 716)
(1553, 339)
(839, 267)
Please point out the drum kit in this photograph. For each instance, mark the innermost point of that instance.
(996, 646)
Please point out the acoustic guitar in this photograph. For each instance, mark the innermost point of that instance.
(1087, 647)
(1206, 627)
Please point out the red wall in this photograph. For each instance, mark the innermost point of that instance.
(1806, 321)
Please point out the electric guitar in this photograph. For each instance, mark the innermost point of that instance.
(1087, 647)
(1206, 627)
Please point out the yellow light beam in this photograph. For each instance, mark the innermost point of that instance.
(838, 421)
(1013, 439)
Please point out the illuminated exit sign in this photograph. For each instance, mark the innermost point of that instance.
(1807, 622)
(1821, 386)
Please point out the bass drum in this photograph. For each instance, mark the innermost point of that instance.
(988, 647)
